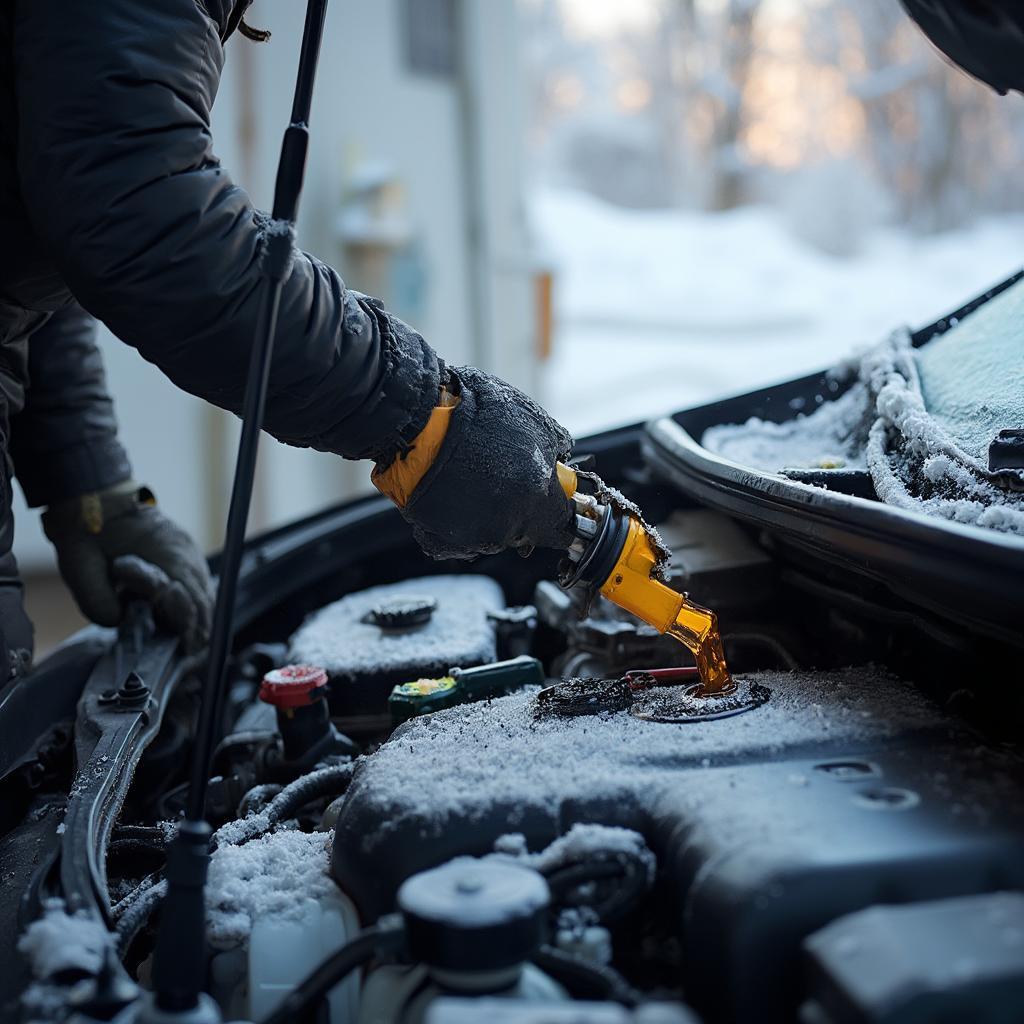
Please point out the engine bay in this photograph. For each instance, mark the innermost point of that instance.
(532, 791)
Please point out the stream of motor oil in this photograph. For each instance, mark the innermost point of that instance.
(696, 629)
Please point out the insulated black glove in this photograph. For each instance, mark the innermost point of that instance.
(492, 484)
(115, 545)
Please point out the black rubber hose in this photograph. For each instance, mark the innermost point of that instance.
(370, 942)
(586, 980)
(331, 781)
(120, 847)
(152, 835)
(563, 880)
(633, 885)
(257, 798)
(135, 916)
(140, 905)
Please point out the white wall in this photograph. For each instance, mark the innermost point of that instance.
(367, 107)
(454, 146)
(504, 252)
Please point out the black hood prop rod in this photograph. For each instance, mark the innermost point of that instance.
(180, 961)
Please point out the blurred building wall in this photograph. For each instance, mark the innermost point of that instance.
(400, 114)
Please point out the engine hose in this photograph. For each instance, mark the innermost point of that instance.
(585, 979)
(118, 847)
(257, 798)
(374, 941)
(631, 888)
(562, 880)
(330, 781)
(134, 910)
(155, 836)
(123, 905)
(135, 915)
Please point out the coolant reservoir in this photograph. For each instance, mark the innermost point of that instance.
(396, 994)
(472, 927)
(282, 952)
(375, 639)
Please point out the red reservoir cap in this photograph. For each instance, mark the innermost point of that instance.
(293, 686)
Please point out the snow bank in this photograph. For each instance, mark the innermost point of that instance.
(660, 310)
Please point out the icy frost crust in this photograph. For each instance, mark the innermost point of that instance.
(833, 436)
(882, 423)
(913, 461)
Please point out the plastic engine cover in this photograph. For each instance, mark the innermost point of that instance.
(844, 790)
(374, 639)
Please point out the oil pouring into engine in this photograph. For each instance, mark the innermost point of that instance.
(614, 555)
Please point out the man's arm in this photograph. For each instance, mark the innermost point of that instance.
(64, 442)
(119, 177)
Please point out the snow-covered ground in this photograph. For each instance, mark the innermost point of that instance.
(657, 311)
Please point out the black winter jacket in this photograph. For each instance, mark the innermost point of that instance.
(64, 441)
(110, 192)
(113, 192)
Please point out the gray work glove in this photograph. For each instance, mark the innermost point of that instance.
(493, 484)
(116, 545)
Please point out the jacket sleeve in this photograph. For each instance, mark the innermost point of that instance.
(64, 441)
(152, 236)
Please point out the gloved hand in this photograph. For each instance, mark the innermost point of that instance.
(491, 484)
(115, 545)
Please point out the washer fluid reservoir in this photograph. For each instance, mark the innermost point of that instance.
(370, 641)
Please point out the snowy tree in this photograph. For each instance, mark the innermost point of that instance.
(713, 103)
(734, 45)
(934, 136)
